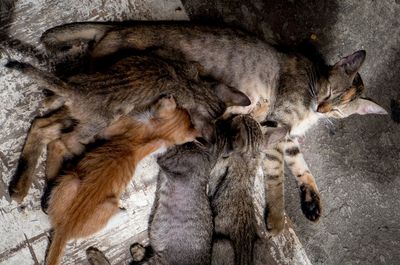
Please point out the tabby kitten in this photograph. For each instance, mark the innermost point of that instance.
(93, 101)
(231, 192)
(180, 226)
(255, 68)
(86, 197)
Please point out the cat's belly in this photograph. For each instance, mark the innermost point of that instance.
(260, 96)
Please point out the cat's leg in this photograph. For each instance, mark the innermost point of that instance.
(57, 152)
(142, 255)
(96, 257)
(62, 196)
(309, 195)
(274, 189)
(99, 218)
(42, 131)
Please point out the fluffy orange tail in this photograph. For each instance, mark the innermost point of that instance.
(56, 249)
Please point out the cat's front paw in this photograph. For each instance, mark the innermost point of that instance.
(310, 202)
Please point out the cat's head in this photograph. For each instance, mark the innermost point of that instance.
(172, 124)
(244, 136)
(211, 101)
(340, 94)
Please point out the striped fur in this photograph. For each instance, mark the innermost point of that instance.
(293, 90)
(94, 101)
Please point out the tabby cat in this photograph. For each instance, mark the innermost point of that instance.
(292, 89)
(231, 192)
(93, 101)
(87, 196)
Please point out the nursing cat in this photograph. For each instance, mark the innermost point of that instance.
(256, 68)
(87, 196)
(91, 102)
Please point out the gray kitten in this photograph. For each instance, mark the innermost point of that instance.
(180, 227)
(91, 102)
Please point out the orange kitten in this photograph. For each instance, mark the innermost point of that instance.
(87, 197)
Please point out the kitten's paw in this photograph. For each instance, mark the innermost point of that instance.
(96, 257)
(275, 222)
(138, 252)
(310, 202)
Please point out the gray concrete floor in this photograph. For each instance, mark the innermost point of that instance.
(356, 162)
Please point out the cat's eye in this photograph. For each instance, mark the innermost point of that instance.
(329, 89)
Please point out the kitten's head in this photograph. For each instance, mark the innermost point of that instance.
(339, 95)
(210, 102)
(172, 124)
(244, 136)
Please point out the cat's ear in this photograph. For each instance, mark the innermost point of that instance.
(352, 63)
(363, 106)
(231, 96)
(274, 136)
(202, 123)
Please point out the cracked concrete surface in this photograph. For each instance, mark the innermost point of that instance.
(356, 162)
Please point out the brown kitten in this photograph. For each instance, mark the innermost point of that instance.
(93, 101)
(85, 198)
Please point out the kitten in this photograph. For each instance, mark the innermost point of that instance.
(255, 68)
(93, 101)
(181, 225)
(231, 193)
(85, 198)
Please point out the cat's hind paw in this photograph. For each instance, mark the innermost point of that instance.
(96, 257)
(310, 203)
(138, 252)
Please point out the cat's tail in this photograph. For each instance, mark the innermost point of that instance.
(62, 36)
(56, 249)
(106, 38)
(43, 78)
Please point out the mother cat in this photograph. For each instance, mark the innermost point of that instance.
(296, 90)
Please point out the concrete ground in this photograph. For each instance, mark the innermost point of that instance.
(355, 162)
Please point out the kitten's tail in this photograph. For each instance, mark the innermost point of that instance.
(47, 80)
(56, 249)
(64, 35)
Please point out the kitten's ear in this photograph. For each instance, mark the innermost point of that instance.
(274, 136)
(363, 106)
(202, 124)
(350, 64)
(231, 96)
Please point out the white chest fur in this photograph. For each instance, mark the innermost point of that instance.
(302, 126)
